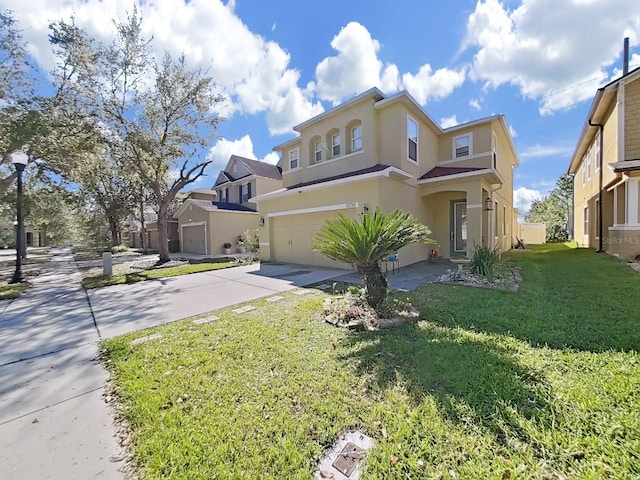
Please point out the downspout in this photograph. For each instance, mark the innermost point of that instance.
(600, 196)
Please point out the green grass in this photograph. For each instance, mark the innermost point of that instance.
(543, 383)
(153, 274)
(12, 290)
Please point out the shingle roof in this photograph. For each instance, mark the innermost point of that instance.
(375, 168)
(236, 207)
(260, 169)
(446, 171)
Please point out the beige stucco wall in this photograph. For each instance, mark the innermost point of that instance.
(352, 197)
(265, 185)
(347, 161)
(624, 243)
(481, 141)
(221, 226)
(632, 120)
(225, 226)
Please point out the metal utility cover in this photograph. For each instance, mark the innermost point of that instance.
(348, 459)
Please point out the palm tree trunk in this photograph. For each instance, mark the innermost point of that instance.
(376, 287)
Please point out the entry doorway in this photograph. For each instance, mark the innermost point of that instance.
(458, 228)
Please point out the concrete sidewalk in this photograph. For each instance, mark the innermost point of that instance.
(54, 422)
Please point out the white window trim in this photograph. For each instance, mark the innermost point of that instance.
(245, 191)
(453, 145)
(297, 152)
(410, 119)
(588, 160)
(317, 147)
(504, 220)
(353, 139)
(586, 225)
(597, 235)
(333, 145)
(583, 170)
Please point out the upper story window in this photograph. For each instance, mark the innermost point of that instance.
(293, 159)
(356, 138)
(245, 193)
(335, 145)
(317, 151)
(412, 139)
(583, 168)
(588, 165)
(462, 146)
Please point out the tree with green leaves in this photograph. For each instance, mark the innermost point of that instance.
(366, 241)
(157, 117)
(18, 119)
(554, 210)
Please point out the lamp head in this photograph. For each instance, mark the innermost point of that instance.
(18, 157)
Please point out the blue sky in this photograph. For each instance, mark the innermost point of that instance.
(280, 62)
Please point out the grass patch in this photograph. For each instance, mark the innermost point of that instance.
(12, 290)
(540, 383)
(153, 274)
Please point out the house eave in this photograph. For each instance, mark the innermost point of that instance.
(492, 174)
(285, 192)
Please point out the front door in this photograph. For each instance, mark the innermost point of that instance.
(458, 228)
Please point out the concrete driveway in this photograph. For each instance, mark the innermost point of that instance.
(126, 308)
(54, 422)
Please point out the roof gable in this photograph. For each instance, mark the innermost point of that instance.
(240, 167)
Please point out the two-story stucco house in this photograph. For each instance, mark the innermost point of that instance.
(606, 169)
(379, 150)
(208, 218)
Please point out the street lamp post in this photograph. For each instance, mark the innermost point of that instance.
(19, 158)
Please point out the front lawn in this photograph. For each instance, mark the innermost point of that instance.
(540, 383)
(153, 274)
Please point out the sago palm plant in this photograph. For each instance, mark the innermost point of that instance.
(366, 241)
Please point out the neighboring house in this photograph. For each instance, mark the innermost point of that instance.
(152, 238)
(378, 150)
(606, 170)
(211, 217)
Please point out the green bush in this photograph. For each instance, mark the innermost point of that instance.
(484, 261)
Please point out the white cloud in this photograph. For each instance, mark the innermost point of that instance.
(253, 72)
(223, 149)
(474, 103)
(355, 68)
(554, 52)
(513, 132)
(447, 122)
(538, 151)
(523, 197)
(429, 85)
